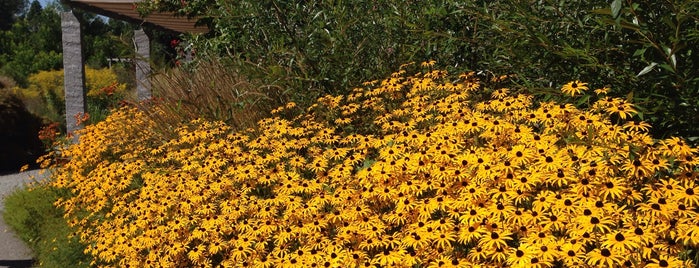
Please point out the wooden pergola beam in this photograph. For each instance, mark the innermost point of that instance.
(126, 10)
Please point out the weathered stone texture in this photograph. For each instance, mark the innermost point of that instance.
(74, 71)
(143, 86)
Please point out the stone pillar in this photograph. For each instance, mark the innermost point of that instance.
(143, 86)
(188, 53)
(74, 72)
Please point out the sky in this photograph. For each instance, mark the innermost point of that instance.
(44, 2)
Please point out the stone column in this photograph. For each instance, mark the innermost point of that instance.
(188, 53)
(143, 86)
(74, 72)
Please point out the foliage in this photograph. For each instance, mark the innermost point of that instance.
(45, 95)
(644, 50)
(8, 11)
(7, 82)
(103, 39)
(325, 46)
(421, 169)
(32, 43)
(31, 214)
(18, 133)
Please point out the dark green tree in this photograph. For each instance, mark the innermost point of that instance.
(33, 42)
(9, 11)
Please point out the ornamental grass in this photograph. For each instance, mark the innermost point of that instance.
(421, 169)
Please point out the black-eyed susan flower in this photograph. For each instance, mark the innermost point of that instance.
(637, 126)
(574, 88)
(604, 257)
(668, 261)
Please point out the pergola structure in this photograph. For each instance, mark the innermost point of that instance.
(73, 60)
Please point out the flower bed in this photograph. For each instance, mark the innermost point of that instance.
(428, 169)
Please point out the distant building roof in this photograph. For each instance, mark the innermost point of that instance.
(126, 10)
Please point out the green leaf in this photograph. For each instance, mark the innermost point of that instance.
(582, 100)
(628, 25)
(640, 52)
(667, 67)
(602, 11)
(647, 69)
(616, 7)
(622, 23)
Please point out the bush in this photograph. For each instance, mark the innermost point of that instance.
(420, 169)
(32, 215)
(325, 47)
(644, 50)
(45, 95)
(19, 132)
(6, 82)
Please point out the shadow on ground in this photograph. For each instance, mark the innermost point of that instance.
(16, 263)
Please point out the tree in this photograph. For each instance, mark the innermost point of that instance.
(33, 41)
(9, 10)
(34, 15)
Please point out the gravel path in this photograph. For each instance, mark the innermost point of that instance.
(14, 253)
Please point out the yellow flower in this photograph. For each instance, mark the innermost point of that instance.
(620, 107)
(429, 63)
(388, 258)
(667, 261)
(689, 194)
(574, 88)
(496, 239)
(637, 126)
(520, 257)
(602, 91)
(604, 257)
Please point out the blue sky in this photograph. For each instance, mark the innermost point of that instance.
(44, 2)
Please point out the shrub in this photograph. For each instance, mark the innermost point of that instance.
(419, 169)
(45, 95)
(6, 82)
(18, 134)
(325, 47)
(645, 50)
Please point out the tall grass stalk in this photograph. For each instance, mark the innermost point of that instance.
(210, 90)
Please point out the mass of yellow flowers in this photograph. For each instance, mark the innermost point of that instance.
(422, 169)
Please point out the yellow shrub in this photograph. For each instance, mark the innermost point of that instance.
(45, 81)
(45, 96)
(95, 81)
(425, 170)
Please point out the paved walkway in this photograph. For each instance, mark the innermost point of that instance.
(14, 253)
